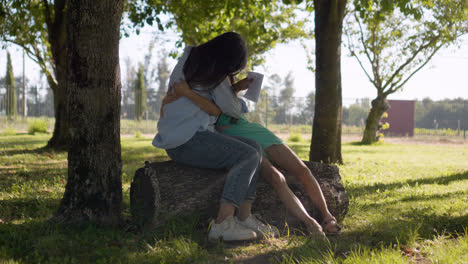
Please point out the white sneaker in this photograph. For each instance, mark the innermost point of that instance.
(260, 228)
(230, 230)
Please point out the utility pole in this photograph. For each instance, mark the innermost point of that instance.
(25, 103)
(464, 120)
(266, 108)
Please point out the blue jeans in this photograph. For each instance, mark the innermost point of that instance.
(241, 156)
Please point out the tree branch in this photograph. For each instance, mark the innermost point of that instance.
(29, 52)
(394, 88)
(365, 71)
(409, 60)
(48, 16)
(376, 61)
(362, 39)
(366, 51)
(35, 56)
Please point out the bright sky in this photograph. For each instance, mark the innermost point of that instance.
(444, 77)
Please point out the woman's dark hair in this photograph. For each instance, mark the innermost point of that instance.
(210, 63)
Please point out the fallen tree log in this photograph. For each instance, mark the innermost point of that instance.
(171, 189)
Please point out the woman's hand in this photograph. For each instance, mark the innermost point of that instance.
(181, 88)
(241, 85)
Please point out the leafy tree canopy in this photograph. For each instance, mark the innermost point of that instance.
(262, 23)
(391, 46)
(24, 23)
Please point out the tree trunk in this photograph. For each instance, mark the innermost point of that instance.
(165, 189)
(61, 136)
(326, 133)
(58, 40)
(94, 189)
(379, 107)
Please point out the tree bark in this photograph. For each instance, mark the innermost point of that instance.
(326, 133)
(57, 39)
(164, 189)
(94, 189)
(379, 107)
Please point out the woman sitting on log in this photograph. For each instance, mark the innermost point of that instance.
(232, 122)
(186, 131)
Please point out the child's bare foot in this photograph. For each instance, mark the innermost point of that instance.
(315, 231)
(330, 226)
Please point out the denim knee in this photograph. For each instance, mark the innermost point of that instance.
(254, 153)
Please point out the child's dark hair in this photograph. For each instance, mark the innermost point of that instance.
(210, 63)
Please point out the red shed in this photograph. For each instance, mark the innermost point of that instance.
(400, 117)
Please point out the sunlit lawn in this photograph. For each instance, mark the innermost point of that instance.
(408, 204)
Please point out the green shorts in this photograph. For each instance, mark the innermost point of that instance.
(254, 131)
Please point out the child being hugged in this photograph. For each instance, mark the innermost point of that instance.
(231, 122)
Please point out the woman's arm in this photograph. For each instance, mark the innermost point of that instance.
(182, 88)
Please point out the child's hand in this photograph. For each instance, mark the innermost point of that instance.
(170, 97)
(241, 85)
(181, 88)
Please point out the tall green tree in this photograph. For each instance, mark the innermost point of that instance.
(94, 187)
(307, 109)
(11, 99)
(285, 101)
(140, 94)
(128, 89)
(356, 115)
(326, 132)
(163, 75)
(329, 16)
(391, 45)
(39, 28)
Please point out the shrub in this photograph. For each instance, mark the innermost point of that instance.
(295, 137)
(138, 134)
(37, 126)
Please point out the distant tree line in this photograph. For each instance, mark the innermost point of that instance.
(448, 113)
(356, 114)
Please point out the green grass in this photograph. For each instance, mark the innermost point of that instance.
(407, 205)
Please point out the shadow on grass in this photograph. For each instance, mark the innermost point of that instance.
(27, 208)
(31, 174)
(360, 143)
(383, 234)
(13, 152)
(422, 197)
(21, 148)
(444, 180)
(41, 242)
(418, 225)
(45, 242)
(20, 141)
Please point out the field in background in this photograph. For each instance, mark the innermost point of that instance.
(350, 133)
(407, 204)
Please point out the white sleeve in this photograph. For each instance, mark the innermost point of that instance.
(227, 100)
